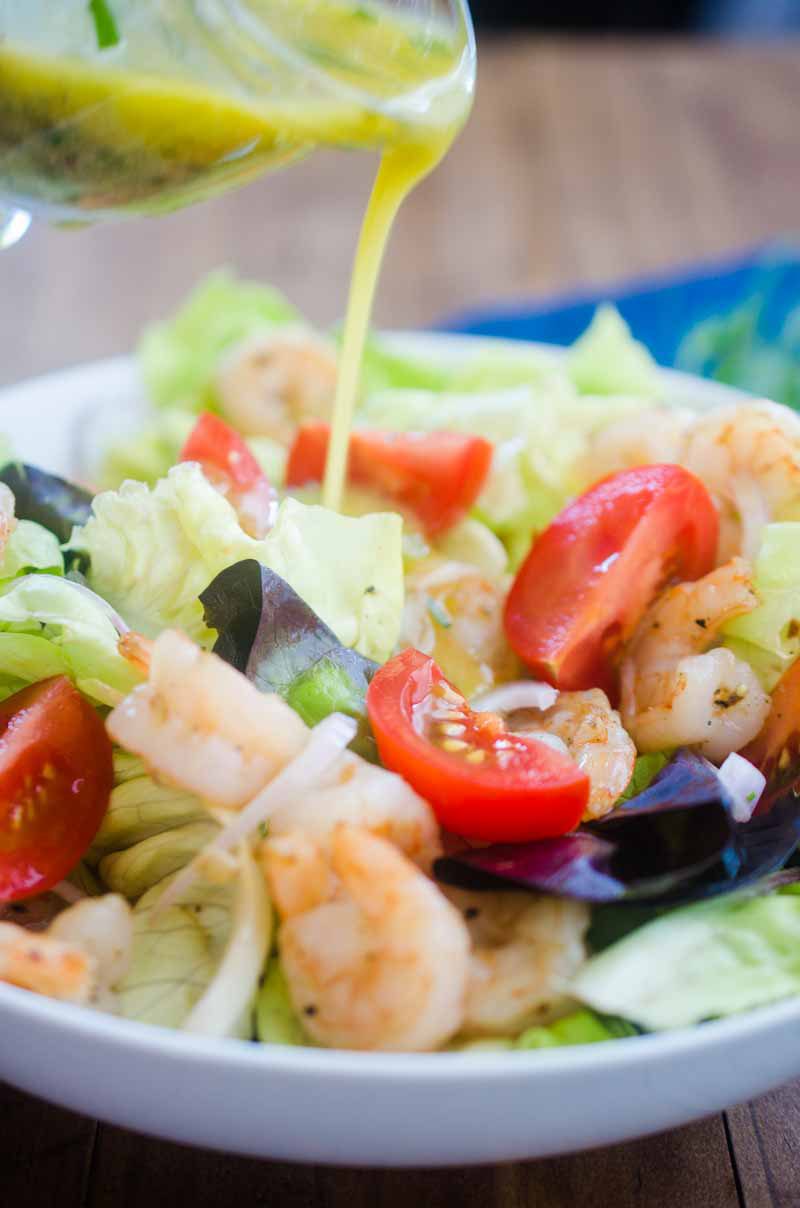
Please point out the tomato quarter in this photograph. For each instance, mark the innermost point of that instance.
(483, 781)
(56, 775)
(228, 463)
(590, 576)
(436, 476)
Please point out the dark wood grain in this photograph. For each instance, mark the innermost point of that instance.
(582, 163)
(766, 1140)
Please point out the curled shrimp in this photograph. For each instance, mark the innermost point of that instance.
(676, 691)
(652, 436)
(375, 956)
(526, 950)
(364, 795)
(79, 958)
(7, 519)
(201, 725)
(748, 455)
(455, 614)
(593, 735)
(272, 383)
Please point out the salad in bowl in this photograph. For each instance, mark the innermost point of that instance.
(501, 756)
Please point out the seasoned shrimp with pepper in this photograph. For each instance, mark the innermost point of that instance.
(374, 955)
(676, 691)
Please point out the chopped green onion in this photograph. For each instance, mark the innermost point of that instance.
(439, 613)
(104, 24)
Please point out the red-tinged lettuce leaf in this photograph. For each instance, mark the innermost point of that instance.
(48, 500)
(270, 634)
(674, 842)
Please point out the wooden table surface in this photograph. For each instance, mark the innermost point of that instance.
(581, 163)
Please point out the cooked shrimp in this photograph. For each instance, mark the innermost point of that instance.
(271, 384)
(678, 692)
(103, 929)
(455, 614)
(653, 436)
(748, 455)
(526, 950)
(594, 737)
(7, 519)
(46, 965)
(381, 964)
(203, 726)
(361, 794)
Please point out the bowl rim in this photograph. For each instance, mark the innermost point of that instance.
(85, 1023)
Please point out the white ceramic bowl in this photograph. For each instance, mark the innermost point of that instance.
(362, 1109)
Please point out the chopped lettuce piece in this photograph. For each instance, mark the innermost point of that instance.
(350, 571)
(31, 548)
(607, 360)
(582, 1027)
(645, 769)
(175, 953)
(275, 1018)
(140, 808)
(472, 542)
(180, 356)
(152, 552)
(149, 454)
(133, 871)
(769, 637)
(49, 626)
(383, 369)
(701, 962)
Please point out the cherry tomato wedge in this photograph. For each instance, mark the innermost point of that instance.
(56, 775)
(591, 575)
(482, 781)
(228, 463)
(776, 750)
(437, 476)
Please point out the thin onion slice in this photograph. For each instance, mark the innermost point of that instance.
(325, 746)
(745, 784)
(519, 694)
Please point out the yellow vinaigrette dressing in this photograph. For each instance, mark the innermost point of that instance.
(172, 114)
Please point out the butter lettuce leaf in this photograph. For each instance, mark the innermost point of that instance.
(769, 637)
(701, 962)
(180, 356)
(139, 808)
(608, 360)
(275, 1018)
(152, 552)
(49, 626)
(31, 548)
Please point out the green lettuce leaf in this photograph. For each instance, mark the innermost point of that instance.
(180, 356)
(175, 953)
(275, 1018)
(31, 548)
(152, 553)
(149, 454)
(48, 626)
(644, 770)
(582, 1027)
(133, 871)
(703, 961)
(769, 637)
(607, 360)
(383, 369)
(348, 569)
(140, 808)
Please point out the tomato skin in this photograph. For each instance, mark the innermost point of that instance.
(56, 776)
(592, 574)
(435, 475)
(524, 791)
(775, 751)
(214, 443)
